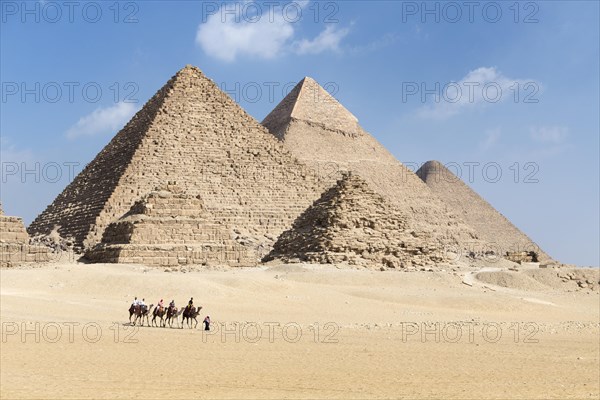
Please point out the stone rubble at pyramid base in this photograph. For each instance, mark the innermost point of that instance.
(371, 258)
(522, 256)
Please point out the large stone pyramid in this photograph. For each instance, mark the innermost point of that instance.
(169, 228)
(481, 215)
(351, 223)
(193, 133)
(318, 130)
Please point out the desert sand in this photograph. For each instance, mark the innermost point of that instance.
(325, 333)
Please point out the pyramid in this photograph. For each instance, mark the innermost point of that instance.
(491, 226)
(192, 133)
(352, 224)
(169, 228)
(320, 132)
(14, 243)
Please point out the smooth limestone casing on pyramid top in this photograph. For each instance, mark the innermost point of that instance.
(490, 224)
(352, 224)
(193, 133)
(318, 130)
(169, 228)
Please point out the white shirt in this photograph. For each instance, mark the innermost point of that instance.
(136, 302)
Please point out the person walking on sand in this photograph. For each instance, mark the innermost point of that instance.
(206, 323)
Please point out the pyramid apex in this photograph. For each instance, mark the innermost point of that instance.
(434, 169)
(308, 79)
(188, 68)
(433, 164)
(309, 102)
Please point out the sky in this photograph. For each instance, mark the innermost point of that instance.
(506, 93)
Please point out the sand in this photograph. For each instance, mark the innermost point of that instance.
(368, 343)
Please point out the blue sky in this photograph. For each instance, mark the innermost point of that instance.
(377, 57)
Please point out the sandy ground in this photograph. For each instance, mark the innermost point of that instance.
(294, 332)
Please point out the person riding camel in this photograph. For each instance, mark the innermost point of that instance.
(143, 305)
(190, 305)
(160, 305)
(172, 304)
(134, 304)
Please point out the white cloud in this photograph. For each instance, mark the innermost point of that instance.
(103, 120)
(549, 134)
(484, 85)
(231, 32)
(329, 39)
(226, 40)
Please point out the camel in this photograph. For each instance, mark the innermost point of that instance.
(173, 315)
(190, 314)
(142, 313)
(131, 312)
(160, 313)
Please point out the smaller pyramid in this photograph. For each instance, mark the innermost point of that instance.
(491, 225)
(14, 243)
(352, 224)
(169, 228)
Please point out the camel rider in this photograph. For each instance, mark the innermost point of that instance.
(143, 304)
(172, 304)
(160, 305)
(190, 304)
(135, 302)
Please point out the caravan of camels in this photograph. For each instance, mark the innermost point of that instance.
(140, 311)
